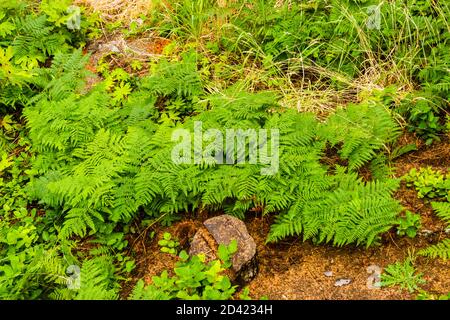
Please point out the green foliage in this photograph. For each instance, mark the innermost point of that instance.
(96, 280)
(186, 19)
(409, 224)
(32, 263)
(439, 250)
(423, 295)
(14, 167)
(56, 11)
(99, 163)
(423, 112)
(176, 78)
(112, 173)
(93, 281)
(334, 34)
(362, 129)
(433, 184)
(119, 84)
(429, 183)
(402, 274)
(442, 210)
(89, 161)
(27, 41)
(194, 279)
(353, 212)
(168, 244)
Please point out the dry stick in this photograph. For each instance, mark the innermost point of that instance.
(146, 230)
(390, 235)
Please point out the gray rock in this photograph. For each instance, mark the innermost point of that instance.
(112, 46)
(222, 230)
(342, 282)
(426, 232)
(374, 279)
(328, 273)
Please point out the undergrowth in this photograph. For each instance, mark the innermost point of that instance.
(82, 167)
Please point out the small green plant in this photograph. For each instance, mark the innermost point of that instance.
(119, 83)
(429, 183)
(402, 274)
(168, 244)
(136, 65)
(423, 295)
(424, 117)
(409, 224)
(194, 279)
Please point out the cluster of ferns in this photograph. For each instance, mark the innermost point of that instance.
(98, 162)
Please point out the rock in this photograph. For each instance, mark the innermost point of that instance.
(222, 230)
(374, 280)
(342, 282)
(425, 232)
(328, 273)
(112, 46)
(203, 242)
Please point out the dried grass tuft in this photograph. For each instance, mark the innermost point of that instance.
(115, 10)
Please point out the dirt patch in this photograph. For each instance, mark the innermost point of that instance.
(300, 268)
(295, 270)
(122, 52)
(150, 261)
(437, 155)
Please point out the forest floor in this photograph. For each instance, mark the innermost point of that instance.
(79, 186)
(292, 269)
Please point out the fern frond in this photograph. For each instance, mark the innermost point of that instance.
(442, 210)
(440, 250)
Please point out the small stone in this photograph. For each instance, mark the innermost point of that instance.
(374, 279)
(342, 282)
(222, 230)
(112, 46)
(426, 232)
(328, 273)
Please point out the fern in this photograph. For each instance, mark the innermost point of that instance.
(95, 277)
(442, 210)
(30, 40)
(362, 129)
(179, 79)
(95, 281)
(78, 220)
(355, 212)
(143, 292)
(100, 163)
(440, 250)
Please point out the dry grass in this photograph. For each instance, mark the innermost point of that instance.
(119, 10)
(304, 86)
